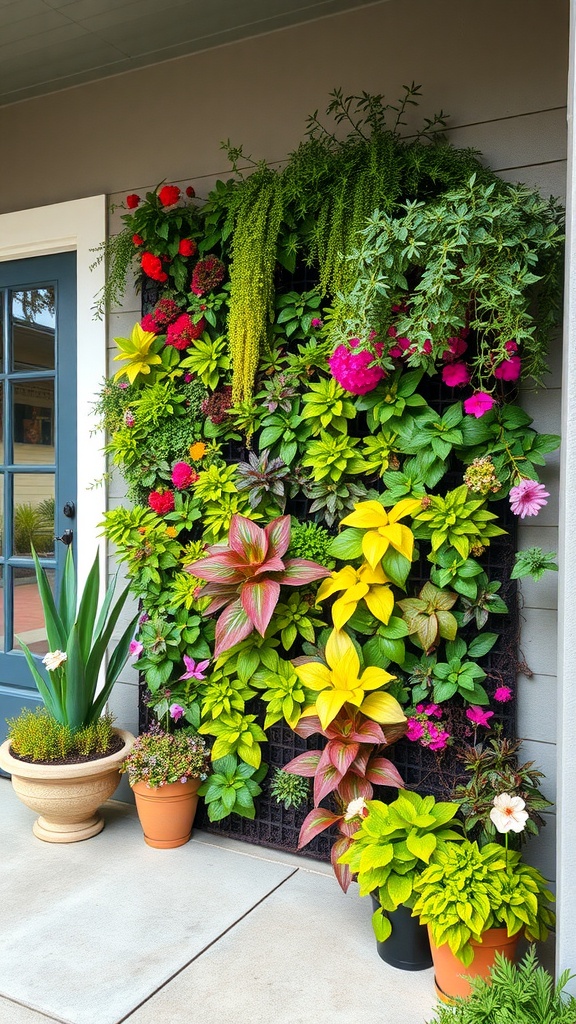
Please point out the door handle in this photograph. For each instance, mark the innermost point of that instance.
(66, 538)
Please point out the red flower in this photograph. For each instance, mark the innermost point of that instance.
(208, 274)
(457, 348)
(132, 201)
(169, 195)
(161, 501)
(165, 312)
(190, 192)
(152, 267)
(137, 240)
(187, 247)
(184, 331)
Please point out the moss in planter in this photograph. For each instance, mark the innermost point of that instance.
(36, 736)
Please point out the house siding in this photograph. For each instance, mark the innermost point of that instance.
(499, 70)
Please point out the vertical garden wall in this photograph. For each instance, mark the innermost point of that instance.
(339, 343)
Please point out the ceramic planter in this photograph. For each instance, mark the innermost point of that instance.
(407, 947)
(450, 973)
(167, 812)
(66, 796)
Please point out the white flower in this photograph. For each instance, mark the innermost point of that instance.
(356, 808)
(508, 814)
(54, 659)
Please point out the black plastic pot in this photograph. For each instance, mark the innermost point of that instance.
(407, 948)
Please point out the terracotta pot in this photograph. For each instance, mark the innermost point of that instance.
(66, 796)
(167, 812)
(450, 973)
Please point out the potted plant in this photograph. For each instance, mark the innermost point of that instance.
(476, 902)
(165, 771)
(389, 851)
(64, 761)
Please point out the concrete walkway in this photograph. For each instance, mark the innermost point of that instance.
(216, 932)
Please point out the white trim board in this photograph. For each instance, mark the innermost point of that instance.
(78, 225)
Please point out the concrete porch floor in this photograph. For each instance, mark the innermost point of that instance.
(110, 930)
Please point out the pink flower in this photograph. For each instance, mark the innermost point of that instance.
(478, 404)
(352, 370)
(316, 322)
(527, 498)
(135, 648)
(176, 711)
(183, 475)
(511, 347)
(509, 369)
(479, 717)
(433, 710)
(438, 738)
(123, 384)
(415, 730)
(194, 670)
(456, 348)
(503, 694)
(455, 375)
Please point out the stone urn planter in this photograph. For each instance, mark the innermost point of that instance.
(66, 796)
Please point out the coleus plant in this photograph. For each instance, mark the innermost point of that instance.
(244, 577)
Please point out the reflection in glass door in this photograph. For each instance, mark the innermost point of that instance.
(37, 451)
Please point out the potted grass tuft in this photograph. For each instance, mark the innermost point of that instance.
(165, 771)
(64, 758)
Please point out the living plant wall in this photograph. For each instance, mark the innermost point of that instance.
(318, 425)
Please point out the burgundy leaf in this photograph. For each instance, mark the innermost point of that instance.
(382, 772)
(301, 570)
(305, 764)
(342, 754)
(353, 786)
(259, 599)
(278, 536)
(248, 539)
(360, 763)
(316, 822)
(326, 779)
(367, 731)
(348, 828)
(307, 726)
(342, 871)
(232, 627)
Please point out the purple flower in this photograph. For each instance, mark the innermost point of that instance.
(479, 717)
(176, 711)
(143, 618)
(135, 648)
(527, 498)
(194, 670)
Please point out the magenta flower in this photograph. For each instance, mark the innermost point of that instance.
(194, 670)
(433, 709)
(511, 347)
(503, 694)
(415, 730)
(135, 648)
(455, 375)
(479, 717)
(527, 498)
(457, 348)
(438, 738)
(509, 369)
(316, 322)
(176, 711)
(352, 369)
(479, 404)
(183, 475)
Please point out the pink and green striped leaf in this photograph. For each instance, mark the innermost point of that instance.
(342, 871)
(232, 627)
(341, 754)
(248, 539)
(382, 772)
(326, 779)
(301, 570)
(316, 822)
(353, 786)
(259, 599)
(305, 764)
(278, 535)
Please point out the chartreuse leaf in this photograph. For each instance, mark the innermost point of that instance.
(381, 925)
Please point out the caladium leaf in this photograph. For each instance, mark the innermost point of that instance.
(342, 754)
(327, 778)
(342, 871)
(248, 539)
(382, 772)
(259, 599)
(317, 821)
(301, 570)
(232, 627)
(278, 536)
(305, 764)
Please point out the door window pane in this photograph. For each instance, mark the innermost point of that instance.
(28, 614)
(33, 422)
(33, 513)
(33, 329)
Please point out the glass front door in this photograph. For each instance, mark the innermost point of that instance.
(37, 454)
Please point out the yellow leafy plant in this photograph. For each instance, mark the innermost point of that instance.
(383, 529)
(363, 584)
(338, 683)
(136, 352)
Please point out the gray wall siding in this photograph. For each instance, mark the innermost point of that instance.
(498, 69)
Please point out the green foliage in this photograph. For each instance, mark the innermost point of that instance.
(533, 562)
(326, 406)
(295, 312)
(392, 847)
(312, 541)
(456, 521)
(522, 993)
(33, 527)
(290, 790)
(484, 603)
(232, 788)
(284, 694)
(333, 456)
(428, 616)
(209, 359)
(459, 673)
(506, 436)
(36, 735)
(467, 890)
(236, 734)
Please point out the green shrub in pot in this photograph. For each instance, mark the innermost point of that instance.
(393, 845)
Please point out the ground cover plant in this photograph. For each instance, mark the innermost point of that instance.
(318, 425)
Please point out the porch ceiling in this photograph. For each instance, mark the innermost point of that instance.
(48, 45)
